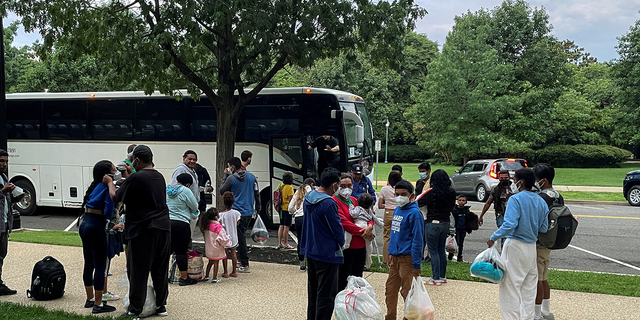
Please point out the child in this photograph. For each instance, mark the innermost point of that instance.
(215, 241)
(361, 215)
(405, 246)
(459, 213)
(285, 218)
(230, 218)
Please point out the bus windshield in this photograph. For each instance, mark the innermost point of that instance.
(368, 133)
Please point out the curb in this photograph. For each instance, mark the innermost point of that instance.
(595, 202)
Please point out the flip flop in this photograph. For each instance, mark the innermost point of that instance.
(287, 246)
(225, 275)
(234, 275)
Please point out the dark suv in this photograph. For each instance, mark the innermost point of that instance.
(631, 187)
(477, 177)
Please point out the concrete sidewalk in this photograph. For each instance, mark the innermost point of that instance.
(273, 291)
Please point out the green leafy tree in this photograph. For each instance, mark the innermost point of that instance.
(575, 54)
(17, 60)
(218, 48)
(493, 88)
(626, 72)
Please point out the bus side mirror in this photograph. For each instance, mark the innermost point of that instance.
(359, 136)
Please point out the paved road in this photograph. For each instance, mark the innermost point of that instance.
(605, 233)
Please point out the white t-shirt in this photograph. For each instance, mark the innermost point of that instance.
(388, 193)
(229, 220)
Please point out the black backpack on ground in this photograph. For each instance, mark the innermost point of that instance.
(47, 280)
(562, 224)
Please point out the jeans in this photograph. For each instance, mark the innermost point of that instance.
(499, 222)
(436, 238)
(322, 287)
(242, 240)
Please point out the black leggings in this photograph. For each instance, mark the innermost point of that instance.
(180, 238)
(94, 250)
(299, 221)
(353, 265)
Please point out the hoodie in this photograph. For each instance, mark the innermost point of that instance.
(322, 233)
(245, 191)
(195, 187)
(182, 204)
(460, 215)
(406, 233)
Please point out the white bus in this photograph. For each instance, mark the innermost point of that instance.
(56, 138)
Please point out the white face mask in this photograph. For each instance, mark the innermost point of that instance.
(402, 201)
(345, 192)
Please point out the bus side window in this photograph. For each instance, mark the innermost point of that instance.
(203, 120)
(161, 119)
(65, 120)
(23, 119)
(111, 119)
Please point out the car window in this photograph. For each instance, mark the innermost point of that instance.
(467, 168)
(511, 166)
(479, 167)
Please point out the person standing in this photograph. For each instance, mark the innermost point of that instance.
(6, 217)
(525, 216)
(297, 205)
(286, 190)
(388, 203)
(98, 210)
(188, 165)
(356, 253)
(183, 208)
(244, 187)
(128, 162)
(147, 230)
(321, 242)
(361, 184)
(499, 196)
(424, 170)
(439, 200)
(328, 152)
(405, 247)
(545, 174)
(245, 158)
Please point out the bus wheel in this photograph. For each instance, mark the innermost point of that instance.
(27, 204)
(266, 212)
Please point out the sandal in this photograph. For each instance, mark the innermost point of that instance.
(287, 246)
(235, 275)
(225, 275)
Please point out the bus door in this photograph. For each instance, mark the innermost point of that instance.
(285, 154)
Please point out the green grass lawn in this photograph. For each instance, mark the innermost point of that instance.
(579, 281)
(600, 177)
(10, 311)
(61, 238)
(596, 196)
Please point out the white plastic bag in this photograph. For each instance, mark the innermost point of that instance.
(418, 305)
(357, 301)
(488, 265)
(149, 307)
(259, 233)
(451, 245)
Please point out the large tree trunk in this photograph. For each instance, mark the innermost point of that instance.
(225, 145)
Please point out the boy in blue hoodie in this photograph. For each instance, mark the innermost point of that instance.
(405, 246)
(321, 242)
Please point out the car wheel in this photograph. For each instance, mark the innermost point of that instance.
(27, 204)
(634, 196)
(481, 193)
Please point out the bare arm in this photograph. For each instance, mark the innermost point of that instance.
(484, 210)
(112, 188)
(381, 203)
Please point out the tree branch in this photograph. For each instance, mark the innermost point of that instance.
(263, 83)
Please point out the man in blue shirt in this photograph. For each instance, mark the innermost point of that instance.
(405, 246)
(361, 184)
(525, 216)
(321, 242)
(247, 201)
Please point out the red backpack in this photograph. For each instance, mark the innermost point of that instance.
(277, 198)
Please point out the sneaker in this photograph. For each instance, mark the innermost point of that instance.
(442, 280)
(108, 296)
(215, 280)
(432, 282)
(129, 315)
(187, 282)
(244, 269)
(161, 311)
(109, 274)
(303, 266)
(548, 316)
(102, 309)
(5, 291)
(207, 279)
(89, 304)
(459, 259)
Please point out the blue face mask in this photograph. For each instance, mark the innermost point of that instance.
(423, 175)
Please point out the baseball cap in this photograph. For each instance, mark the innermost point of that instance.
(143, 153)
(356, 168)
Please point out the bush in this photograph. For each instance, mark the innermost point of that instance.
(582, 156)
(407, 153)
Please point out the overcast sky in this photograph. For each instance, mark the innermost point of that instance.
(592, 24)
